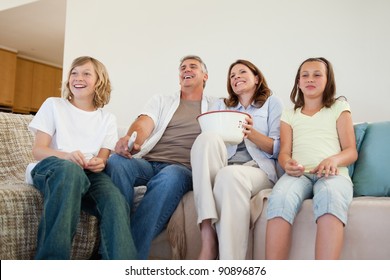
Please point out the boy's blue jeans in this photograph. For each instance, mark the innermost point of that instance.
(166, 185)
(67, 189)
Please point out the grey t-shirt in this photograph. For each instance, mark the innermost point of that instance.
(181, 132)
(241, 156)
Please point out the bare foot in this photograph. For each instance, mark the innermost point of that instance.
(209, 250)
(207, 255)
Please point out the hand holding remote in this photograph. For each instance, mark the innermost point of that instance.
(130, 145)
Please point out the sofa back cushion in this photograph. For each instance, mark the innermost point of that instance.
(371, 176)
(15, 146)
(360, 131)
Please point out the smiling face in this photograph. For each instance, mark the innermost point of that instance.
(82, 81)
(313, 79)
(242, 80)
(191, 74)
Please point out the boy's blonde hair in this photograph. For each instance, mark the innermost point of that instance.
(102, 86)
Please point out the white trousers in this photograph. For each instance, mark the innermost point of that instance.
(222, 193)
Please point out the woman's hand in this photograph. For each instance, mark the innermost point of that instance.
(248, 127)
(263, 142)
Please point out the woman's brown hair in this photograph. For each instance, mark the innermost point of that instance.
(262, 92)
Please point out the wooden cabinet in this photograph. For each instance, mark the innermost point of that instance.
(7, 77)
(23, 86)
(35, 82)
(45, 84)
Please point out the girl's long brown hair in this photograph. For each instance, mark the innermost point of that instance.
(328, 97)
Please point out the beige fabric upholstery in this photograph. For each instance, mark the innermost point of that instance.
(21, 204)
(366, 234)
(184, 234)
(183, 231)
(15, 146)
(20, 211)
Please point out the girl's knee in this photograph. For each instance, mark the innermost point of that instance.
(287, 202)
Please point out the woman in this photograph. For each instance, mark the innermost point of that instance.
(226, 177)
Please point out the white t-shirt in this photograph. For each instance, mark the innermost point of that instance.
(74, 129)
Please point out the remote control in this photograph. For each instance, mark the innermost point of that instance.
(130, 145)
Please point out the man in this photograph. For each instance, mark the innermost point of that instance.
(160, 158)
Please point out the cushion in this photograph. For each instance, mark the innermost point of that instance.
(360, 131)
(371, 176)
(15, 146)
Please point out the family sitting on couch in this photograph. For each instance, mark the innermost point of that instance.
(313, 144)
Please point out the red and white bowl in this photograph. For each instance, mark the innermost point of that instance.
(225, 123)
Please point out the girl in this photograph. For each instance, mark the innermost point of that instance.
(317, 145)
(73, 139)
(225, 178)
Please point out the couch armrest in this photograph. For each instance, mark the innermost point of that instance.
(20, 212)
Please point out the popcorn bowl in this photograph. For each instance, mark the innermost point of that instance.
(225, 123)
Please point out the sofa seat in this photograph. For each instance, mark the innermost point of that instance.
(21, 204)
(368, 227)
(366, 233)
(183, 233)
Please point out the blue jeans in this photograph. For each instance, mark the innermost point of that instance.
(67, 189)
(166, 185)
(331, 195)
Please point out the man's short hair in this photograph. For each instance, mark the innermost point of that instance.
(197, 58)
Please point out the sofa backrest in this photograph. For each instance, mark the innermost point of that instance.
(371, 176)
(15, 146)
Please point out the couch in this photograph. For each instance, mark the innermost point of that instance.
(21, 204)
(366, 234)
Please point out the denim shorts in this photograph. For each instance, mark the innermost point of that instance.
(331, 195)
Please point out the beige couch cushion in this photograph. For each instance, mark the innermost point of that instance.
(20, 213)
(366, 234)
(15, 146)
(21, 204)
(184, 233)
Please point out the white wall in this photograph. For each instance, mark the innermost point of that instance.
(141, 43)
